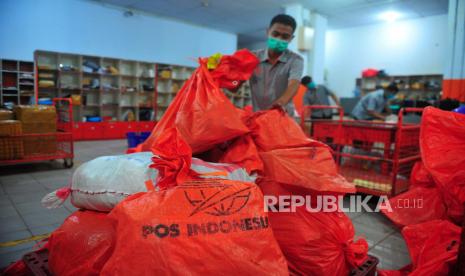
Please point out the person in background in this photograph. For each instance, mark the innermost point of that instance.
(318, 95)
(357, 92)
(371, 106)
(448, 104)
(277, 76)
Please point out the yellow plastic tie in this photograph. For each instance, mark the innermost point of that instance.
(213, 61)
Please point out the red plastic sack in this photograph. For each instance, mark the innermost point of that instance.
(82, 244)
(193, 226)
(455, 208)
(172, 158)
(233, 70)
(417, 205)
(18, 268)
(274, 129)
(420, 177)
(318, 243)
(433, 246)
(243, 153)
(201, 112)
(442, 142)
(310, 168)
(199, 227)
(272, 188)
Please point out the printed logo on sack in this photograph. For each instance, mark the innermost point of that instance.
(216, 199)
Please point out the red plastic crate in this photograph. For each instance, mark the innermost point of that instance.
(37, 263)
(368, 268)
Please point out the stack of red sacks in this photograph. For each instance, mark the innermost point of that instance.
(289, 163)
(269, 144)
(438, 183)
(192, 225)
(274, 147)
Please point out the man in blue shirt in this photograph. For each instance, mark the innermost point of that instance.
(277, 76)
(371, 106)
(318, 95)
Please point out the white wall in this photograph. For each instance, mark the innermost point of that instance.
(408, 47)
(256, 45)
(89, 28)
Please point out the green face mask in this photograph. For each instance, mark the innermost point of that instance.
(277, 45)
(311, 85)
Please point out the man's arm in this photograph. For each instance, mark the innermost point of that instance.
(376, 115)
(335, 98)
(388, 108)
(371, 109)
(288, 94)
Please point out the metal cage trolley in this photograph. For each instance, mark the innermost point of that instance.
(45, 146)
(376, 156)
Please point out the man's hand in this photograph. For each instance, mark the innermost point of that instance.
(288, 94)
(376, 115)
(279, 102)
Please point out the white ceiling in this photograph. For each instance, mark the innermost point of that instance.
(250, 18)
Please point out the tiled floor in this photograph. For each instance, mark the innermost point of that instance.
(23, 186)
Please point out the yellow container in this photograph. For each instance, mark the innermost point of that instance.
(165, 74)
(6, 115)
(76, 99)
(11, 147)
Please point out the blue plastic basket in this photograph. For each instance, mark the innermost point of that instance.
(93, 119)
(45, 102)
(136, 138)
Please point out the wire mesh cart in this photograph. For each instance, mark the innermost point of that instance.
(33, 147)
(376, 156)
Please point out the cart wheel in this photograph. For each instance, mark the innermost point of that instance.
(68, 163)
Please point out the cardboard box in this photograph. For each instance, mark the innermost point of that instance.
(36, 118)
(39, 127)
(10, 147)
(10, 127)
(6, 115)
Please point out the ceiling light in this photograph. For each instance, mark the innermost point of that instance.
(128, 13)
(390, 16)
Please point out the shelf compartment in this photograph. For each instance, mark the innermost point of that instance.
(47, 61)
(128, 68)
(128, 100)
(146, 70)
(69, 81)
(111, 66)
(109, 99)
(9, 65)
(68, 63)
(26, 66)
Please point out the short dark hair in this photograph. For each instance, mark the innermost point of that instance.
(285, 20)
(448, 104)
(306, 80)
(392, 87)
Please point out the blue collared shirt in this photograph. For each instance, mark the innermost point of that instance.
(373, 101)
(269, 81)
